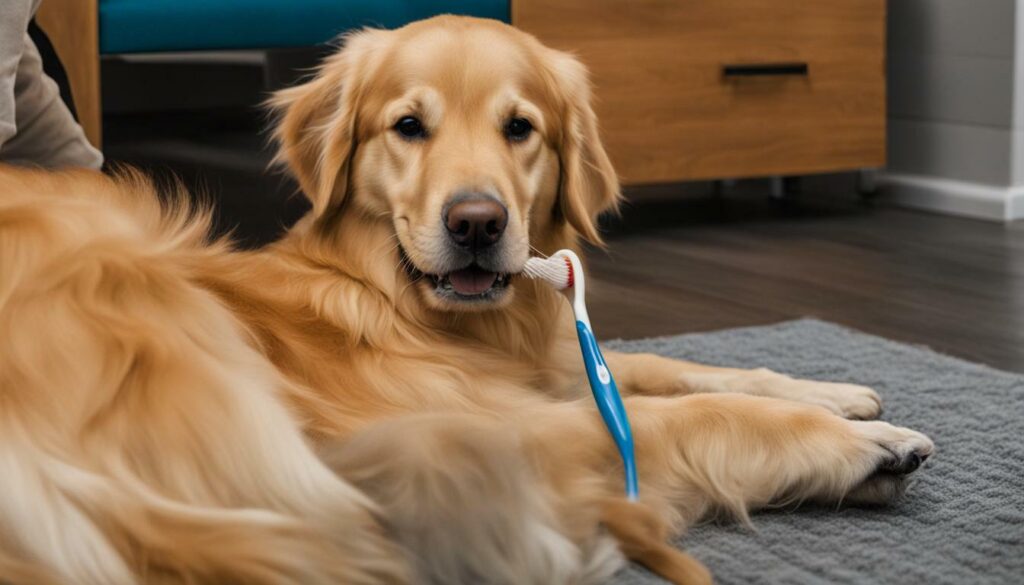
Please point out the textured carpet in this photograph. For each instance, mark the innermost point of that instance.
(962, 521)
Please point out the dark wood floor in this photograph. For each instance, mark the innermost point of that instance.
(953, 284)
(700, 262)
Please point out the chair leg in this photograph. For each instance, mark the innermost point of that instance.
(73, 29)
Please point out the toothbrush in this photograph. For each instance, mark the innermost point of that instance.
(564, 272)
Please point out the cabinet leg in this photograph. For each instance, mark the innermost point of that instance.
(783, 187)
(867, 183)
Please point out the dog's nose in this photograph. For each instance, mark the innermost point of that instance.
(475, 221)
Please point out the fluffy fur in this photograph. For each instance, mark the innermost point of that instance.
(173, 411)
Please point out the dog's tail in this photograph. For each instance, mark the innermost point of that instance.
(141, 437)
(65, 524)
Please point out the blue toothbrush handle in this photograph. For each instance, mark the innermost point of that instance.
(609, 403)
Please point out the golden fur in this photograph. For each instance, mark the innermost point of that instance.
(155, 387)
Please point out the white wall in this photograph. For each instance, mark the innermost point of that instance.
(1017, 198)
(956, 106)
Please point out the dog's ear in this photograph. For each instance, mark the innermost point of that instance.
(588, 185)
(316, 127)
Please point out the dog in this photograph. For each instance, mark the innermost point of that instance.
(378, 397)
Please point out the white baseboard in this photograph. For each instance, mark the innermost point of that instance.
(954, 197)
(1015, 205)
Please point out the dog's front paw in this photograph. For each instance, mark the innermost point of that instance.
(847, 400)
(899, 452)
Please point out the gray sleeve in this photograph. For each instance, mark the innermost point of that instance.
(14, 17)
(47, 134)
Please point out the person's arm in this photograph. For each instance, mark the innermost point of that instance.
(41, 130)
(16, 14)
(47, 134)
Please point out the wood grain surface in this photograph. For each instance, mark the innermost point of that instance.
(668, 113)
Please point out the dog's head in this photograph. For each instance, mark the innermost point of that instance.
(472, 139)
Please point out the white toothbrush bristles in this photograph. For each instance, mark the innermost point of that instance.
(556, 271)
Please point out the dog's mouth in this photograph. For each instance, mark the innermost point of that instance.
(471, 284)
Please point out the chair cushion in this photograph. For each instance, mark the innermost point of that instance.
(132, 26)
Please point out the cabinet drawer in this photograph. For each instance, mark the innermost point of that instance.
(670, 110)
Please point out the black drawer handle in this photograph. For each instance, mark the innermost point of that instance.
(764, 69)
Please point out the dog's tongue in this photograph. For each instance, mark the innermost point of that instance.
(472, 280)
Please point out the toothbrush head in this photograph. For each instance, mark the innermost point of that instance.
(556, 271)
(563, 272)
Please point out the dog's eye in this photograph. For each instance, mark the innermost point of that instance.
(518, 129)
(410, 127)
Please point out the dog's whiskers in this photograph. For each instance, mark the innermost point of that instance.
(404, 263)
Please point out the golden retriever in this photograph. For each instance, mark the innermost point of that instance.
(376, 398)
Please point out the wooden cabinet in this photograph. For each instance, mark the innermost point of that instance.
(670, 110)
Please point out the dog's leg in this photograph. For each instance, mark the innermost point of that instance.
(706, 454)
(653, 375)
(518, 497)
(732, 453)
(460, 496)
(643, 537)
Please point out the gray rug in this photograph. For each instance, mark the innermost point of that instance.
(962, 521)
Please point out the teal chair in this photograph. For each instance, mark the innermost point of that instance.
(82, 30)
